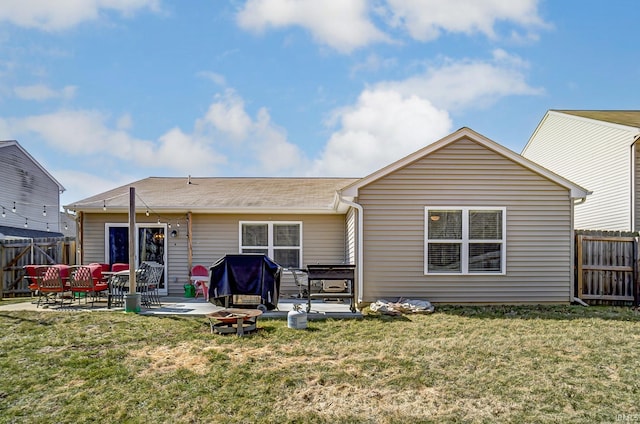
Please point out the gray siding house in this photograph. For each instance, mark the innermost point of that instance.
(29, 195)
(463, 220)
(598, 150)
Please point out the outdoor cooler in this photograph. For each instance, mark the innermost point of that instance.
(245, 280)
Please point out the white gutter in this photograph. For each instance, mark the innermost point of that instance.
(359, 243)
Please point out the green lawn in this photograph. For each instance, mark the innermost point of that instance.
(460, 364)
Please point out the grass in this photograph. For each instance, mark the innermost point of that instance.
(460, 364)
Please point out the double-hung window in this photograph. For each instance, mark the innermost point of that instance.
(465, 240)
(281, 241)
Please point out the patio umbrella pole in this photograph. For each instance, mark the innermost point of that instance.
(132, 299)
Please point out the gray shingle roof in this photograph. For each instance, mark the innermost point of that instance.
(27, 233)
(221, 194)
(630, 118)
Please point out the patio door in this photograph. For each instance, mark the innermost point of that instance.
(150, 245)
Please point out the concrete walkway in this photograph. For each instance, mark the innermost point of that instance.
(178, 306)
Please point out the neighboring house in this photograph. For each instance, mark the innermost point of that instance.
(598, 150)
(463, 220)
(29, 195)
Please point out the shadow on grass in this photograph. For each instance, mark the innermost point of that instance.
(551, 312)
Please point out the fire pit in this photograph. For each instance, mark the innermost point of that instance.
(234, 321)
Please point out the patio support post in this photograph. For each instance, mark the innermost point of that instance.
(132, 299)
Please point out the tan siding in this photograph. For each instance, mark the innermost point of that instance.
(593, 155)
(216, 235)
(466, 174)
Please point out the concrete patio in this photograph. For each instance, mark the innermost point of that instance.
(180, 306)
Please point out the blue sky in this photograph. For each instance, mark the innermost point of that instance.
(106, 92)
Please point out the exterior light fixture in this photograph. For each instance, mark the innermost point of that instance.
(44, 210)
(14, 207)
(4, 213)
(147, 212)
(26, 222)
(104, 205)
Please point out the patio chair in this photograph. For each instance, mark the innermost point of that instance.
(148, 278)
(117, 267)
(51, 283)
(301, 279)
(200, 278)
(87, 280)
(31, 276)
(118, 286)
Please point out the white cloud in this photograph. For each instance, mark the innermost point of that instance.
(383, 126)
(63, 14)
(214, 77)
(41, 92)
(260, 146)
(80, 185)
(227, 114)
(426, 20)
(342, 25)
(463, 84)
(81, 133)
(346, 25)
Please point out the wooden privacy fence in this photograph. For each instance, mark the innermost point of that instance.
(607, 267)
(15, 254)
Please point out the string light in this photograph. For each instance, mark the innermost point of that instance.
(104, 205)
(48, 227)
(44, 210)
(26, 222)
(14, 207)
(4, 214)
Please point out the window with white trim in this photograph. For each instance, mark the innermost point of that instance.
(465, 240)
(281, 241)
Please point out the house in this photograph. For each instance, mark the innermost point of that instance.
(595, 149)
(29, 195)
(463, 220)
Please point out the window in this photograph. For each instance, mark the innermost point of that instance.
(281, 241)
(465, 240)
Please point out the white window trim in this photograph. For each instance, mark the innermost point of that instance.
(270, 247)
(464, 250)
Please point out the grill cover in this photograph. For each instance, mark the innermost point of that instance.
(245, 274)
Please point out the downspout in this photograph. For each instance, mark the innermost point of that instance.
(359, 243)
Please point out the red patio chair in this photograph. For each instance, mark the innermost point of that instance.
(117, 267)
(87, 279)
(50, 282)
(31, 276)
(200, 278)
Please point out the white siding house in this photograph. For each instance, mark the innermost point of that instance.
(29, 195)
(597, 150)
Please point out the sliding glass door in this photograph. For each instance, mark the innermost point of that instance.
(150, 245)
